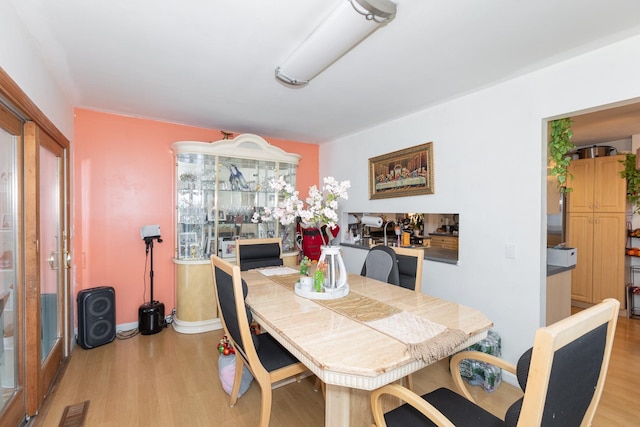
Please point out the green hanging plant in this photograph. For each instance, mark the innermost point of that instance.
(559, 146)
(632, 175)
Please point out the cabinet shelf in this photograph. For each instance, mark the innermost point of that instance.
(633, 293)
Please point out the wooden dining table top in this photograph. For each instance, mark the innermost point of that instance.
(344, 351)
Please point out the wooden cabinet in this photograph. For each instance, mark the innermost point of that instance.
(445, 242)
(600, 240)
(597, 185)
(596, 226)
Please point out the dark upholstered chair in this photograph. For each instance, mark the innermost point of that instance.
(267, 360)
(258, 253)
(568, 364)
(381, 264)
(410, 261)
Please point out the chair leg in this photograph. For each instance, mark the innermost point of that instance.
(265, 405)
(237, 379)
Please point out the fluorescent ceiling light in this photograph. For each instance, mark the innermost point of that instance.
(348, 24)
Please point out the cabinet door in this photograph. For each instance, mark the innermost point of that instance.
(580, 236)
(580, 199)
(610, 189)
(608, 256)
(450, 243)
(444, 242)
(195, 206)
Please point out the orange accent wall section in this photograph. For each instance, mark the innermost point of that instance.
(123, 179)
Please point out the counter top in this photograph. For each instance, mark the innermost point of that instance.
(436, 233)
(448, 256)
(554, 269)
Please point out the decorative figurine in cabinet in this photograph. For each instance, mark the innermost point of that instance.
(219, 186)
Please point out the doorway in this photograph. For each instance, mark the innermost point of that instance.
(47, 262)
(34, 259)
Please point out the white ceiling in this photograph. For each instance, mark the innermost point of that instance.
(211, 63)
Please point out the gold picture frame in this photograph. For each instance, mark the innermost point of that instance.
(406, 172)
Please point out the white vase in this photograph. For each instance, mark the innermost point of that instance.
(336, 274)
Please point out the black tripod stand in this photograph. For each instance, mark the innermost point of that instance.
(151, 314)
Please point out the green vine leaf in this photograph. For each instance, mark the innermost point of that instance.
(632, 175)
(559, 146)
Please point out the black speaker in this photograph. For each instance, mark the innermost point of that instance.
(96, 316)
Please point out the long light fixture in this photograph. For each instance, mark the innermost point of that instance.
(347, 25)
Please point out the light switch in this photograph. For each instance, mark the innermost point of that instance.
(510, 251)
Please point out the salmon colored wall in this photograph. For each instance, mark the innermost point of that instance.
(123, 179)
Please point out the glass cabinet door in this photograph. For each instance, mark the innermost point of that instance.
(243, 190)
(196, 215)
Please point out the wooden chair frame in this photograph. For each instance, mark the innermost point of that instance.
(264, 241)
(547, 341)
(249, 357)
(419, 255)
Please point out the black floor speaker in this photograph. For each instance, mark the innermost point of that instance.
(96, 316)
(151, 317)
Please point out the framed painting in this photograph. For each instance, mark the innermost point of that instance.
(407, 172)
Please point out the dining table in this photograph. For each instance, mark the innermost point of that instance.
(374, 335)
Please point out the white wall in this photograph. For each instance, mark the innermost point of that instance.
(490, 167)
(20, 59)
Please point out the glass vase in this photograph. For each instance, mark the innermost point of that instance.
(336, 275)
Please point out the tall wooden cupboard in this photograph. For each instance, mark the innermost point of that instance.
(596, 226)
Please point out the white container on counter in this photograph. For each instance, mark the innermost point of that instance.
(562, 257)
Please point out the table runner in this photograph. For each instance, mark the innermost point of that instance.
(425, 340)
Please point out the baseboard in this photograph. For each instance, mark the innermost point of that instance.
(124, 327)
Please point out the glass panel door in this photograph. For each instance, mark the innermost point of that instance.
(46, 275)
(50, 249)
(8, 252)
(12, 406)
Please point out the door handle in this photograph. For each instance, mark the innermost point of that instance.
(67, 260)
(53, 260)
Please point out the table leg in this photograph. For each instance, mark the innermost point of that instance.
(345, 407)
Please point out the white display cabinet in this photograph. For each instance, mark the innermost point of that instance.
(219, 186)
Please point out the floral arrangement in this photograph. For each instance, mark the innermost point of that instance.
(321, 205)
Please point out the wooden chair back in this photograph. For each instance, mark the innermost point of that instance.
(410, 262)
(569, 363)
(259, 253)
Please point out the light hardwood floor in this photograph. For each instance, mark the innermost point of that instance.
(171, 379)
